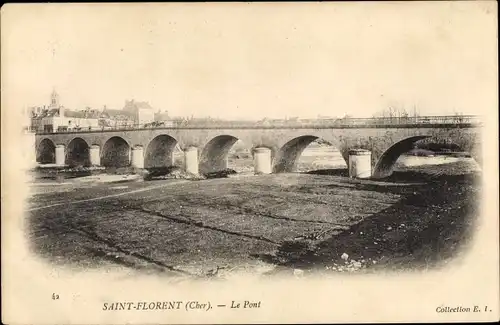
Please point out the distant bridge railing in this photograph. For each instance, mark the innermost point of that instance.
(416, 121)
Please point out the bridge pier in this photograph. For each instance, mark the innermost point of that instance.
(191, 160)
(60, 155)
(138, 157)
(262, 161)
(95, 155)
(360, 164)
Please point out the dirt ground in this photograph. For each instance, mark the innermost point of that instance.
(318, 221)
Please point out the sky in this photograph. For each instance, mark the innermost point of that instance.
(249, 61)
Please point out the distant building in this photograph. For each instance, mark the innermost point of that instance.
(57, 118)
(142, 112)
(116, 118)
(162, 116)
(61, 119)
(80, 120)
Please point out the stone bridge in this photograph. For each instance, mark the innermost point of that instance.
(206, 148)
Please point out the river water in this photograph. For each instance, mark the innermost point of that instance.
(329, 157)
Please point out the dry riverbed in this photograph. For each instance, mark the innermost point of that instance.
(292, 223)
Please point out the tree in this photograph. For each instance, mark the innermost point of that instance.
(396, 112)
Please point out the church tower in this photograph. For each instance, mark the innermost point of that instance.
(54, 99)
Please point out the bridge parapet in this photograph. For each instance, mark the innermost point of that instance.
(461, 121)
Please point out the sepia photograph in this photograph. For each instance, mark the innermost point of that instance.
(249, 162)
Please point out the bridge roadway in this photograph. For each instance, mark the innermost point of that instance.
(207, 147)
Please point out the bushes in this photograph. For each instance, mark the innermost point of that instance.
(170, 172)
(437, 146)
(220, 174)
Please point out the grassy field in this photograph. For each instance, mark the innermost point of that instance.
(319, 221)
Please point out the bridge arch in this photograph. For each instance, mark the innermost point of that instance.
(287, 156)
(46, 152)
(214, 154)
(160, 151)
(78, 153)
(386, 162)
(115, 152)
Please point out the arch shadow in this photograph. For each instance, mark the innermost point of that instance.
(215, 153)
(160, 152)
(115, 153)
(385, 163)
(46, 152)
(78, 153)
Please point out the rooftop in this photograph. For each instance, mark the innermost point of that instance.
(90, 114)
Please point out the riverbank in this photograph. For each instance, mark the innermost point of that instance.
(429, 226)
(271, 223)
